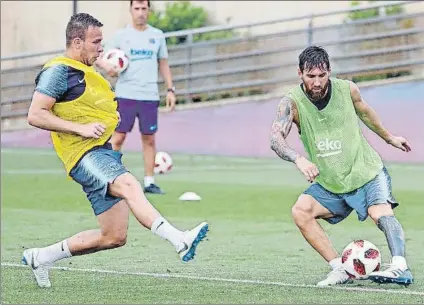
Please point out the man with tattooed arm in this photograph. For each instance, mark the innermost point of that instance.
(346, 172)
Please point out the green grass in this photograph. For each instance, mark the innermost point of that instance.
(247, 202)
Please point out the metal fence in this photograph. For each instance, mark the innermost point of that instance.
(257, 60)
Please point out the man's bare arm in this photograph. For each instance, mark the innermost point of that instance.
(40, 115)
(165, 72)
(281, 128)
(367, 114)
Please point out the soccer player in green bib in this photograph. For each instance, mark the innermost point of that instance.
(346, 172)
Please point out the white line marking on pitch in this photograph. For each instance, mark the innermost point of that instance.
(217, 279)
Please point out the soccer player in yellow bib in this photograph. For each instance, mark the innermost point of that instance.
(78, 106)
(348, 173)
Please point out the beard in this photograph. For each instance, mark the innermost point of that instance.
(317, 95)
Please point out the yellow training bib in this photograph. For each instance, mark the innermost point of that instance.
(96, 105)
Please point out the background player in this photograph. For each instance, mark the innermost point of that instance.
(137, 87)
(349, 173)
(78, 106)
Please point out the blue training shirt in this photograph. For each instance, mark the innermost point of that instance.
(61, 82)
(144, 49)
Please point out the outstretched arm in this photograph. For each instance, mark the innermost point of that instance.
(367, 114)
(370, 118)
(280, 130)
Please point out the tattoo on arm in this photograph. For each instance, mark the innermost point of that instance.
(281, 128)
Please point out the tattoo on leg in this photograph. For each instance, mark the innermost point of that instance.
(394, 234)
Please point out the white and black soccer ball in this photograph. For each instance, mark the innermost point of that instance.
(360, 258)
(163, 163)
(117, 58)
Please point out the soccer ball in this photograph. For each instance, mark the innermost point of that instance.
(360, 258)
(117, 58)
(163, 163)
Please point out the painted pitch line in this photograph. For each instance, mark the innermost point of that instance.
(228, 280)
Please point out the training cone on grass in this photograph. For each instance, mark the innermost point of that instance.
(190, 196)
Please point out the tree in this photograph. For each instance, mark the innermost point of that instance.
(373, 13)
(183, 15)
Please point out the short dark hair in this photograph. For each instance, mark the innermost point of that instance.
(148, 2)
(78, 26)
(314, 57)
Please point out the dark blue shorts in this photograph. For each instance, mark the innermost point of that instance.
(145, 111)
(94, 172)
(376, 191)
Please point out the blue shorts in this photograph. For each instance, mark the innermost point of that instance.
(94, 172)
(376, 191)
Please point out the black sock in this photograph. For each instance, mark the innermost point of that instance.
(394, 234)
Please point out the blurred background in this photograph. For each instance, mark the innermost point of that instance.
(226, 52)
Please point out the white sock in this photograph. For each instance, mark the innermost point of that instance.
(54, 252)
(148, 180)
(399, 261)
(336, 263)
(167, 231)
